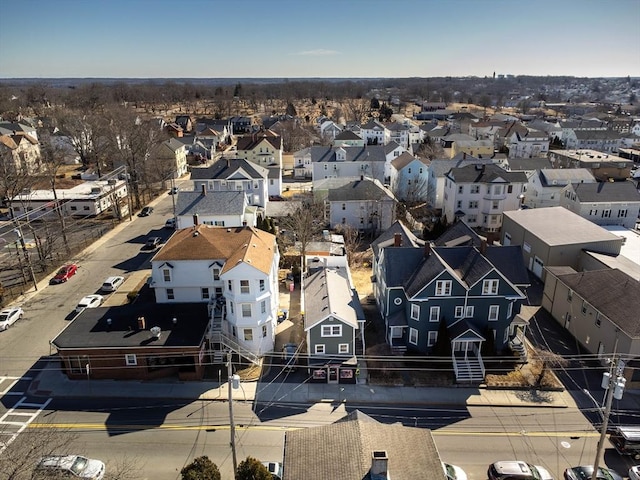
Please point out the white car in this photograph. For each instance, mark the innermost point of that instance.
(72, 466)
(453, 472)
(634, 473)
(90, 301)
(9, 316)
(111, 284)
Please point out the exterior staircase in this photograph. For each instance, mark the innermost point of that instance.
(517, 346)
(469, 369)
(220, 343)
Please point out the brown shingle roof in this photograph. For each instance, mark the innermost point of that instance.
(234, 245)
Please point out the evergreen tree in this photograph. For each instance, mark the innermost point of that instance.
(201, 469)
(252, 469)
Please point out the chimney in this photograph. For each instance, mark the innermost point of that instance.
(195, 219)
(204, 190)
(244, 223)
(397, 239)
(464, 155)
(141, 323)
(361, 177)
(483, 246)
(228, 162)
(427, 249)
(379, 465)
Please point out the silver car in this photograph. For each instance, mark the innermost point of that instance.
(9, 316)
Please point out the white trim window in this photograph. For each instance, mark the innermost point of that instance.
(331, 331)
(415, 312)
(246, 310)
(434, 314)
(443, 288)
(131, 359)
(343, 348)
(204, 291)
(247, 333)
(459, 311)
(319, 349)
(413, 336)
(216, 274)
(432, 338)
(490, 287)
(244, 286)
(494, 310)
(166, 274)
(468, 312)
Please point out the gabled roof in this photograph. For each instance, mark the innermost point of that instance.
(348, 135)
(327, 293)
(344, 450)
(236, 245)
(364, 189)
(611, 292)
(457, 235)
(211, 203)
(390, 147)
(226, 167)
(405, 159)
(366, 153)
(550, 177)
(372, 125)
(399, 263)
(439, 168)
(607, 192)
(488, 173)
(252, 140)
(387, 237)
(597, 135)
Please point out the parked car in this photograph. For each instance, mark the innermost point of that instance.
(145, 212)
(152, 243)
(90, 301)
(289, 356)
(170, 223)
(626, 440)
(9, 316)
(111, 284)
(634, 473)
(275, 469)
(64, 274)
(453, 472)
(517, 470)
(585, 472)
(72, 466)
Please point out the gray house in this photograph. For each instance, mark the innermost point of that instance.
(555, 236)
(333, 321)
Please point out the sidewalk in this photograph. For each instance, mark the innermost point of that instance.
(51, 382)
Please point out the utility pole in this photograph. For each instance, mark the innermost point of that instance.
(27, 257)
(232, 426)
(614, 385)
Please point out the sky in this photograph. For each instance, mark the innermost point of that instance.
(311, 38)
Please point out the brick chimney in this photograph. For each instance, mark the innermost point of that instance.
(204, 190)
(379, 465)
(427, 249)
(397, 239)
(195, 219)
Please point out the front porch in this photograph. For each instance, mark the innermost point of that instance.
(466, 343)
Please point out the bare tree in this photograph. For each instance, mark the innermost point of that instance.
(411, 189)
(305, 222)
(546, 360)
(82, 132)
(14, 175)
(356, 108)
(352, 240)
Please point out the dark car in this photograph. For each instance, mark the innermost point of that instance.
(289, 351)
(64, 274)
(146, 211)
(152, 243)
(585, 472)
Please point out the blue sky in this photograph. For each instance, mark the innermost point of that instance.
(310, 38)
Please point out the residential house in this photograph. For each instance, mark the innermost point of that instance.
(233, 175)
(481, 193)
(329, 130)
(604, 166)
(241, 125)
(19, 144)
(333, 320)
(223, 127)
(185, 122)
(527, 165)
(88, 199)
(359, 447)
(392, 151)
(437, 171)
(526, 144)
(263, 148)
(232, 270)
(599, 308)
(174, 130)
(375, 133)
(398, 133)
(342, 162)
(409, 177)
(546, 187)
(606, 141)
(474, 148)
(447, 141)
(220, 209)
(211, 139)
(454, 298)
(548, 237)
(604, 203)
(171, 158)
(363, 204)
(348, 139)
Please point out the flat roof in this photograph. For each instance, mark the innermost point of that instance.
(559, 226)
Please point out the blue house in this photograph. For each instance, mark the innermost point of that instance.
(456, 293)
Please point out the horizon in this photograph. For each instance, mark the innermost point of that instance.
(333, 39)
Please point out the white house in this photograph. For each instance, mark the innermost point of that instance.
(175, 153)
(436, 176)
(545, 187)
(375, 133)
(233, 269)
(341, 162)
(220, 209)
(480, 193)
(409, 177)
(533, 143)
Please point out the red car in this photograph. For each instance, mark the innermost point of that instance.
(65, 273)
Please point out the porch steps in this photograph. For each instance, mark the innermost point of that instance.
(518, 347)
(469, 371)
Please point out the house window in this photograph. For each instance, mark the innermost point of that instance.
(475, 189)
(244, 286)
(593, 212)
(472, 219)
(343, 348)
(170, 295)
(443, 288)
(130, 359)
(246, 310)
(262, 285)
(434, 314)
(468, 312)
(598, 321)
(509, 188)
(216, 274)
(263, 306)
(569, 295)
(248, 334)
(622, 213)
(606, 213)
(459, 204)
(432, 338)
(205, 293)
(415, 312)
(231, 309)
(344, 206)
(584, 308)
(461, 189)
(264, 331)
(497, 190)
(319, 349)
(493, 312)
(459, 311)
(218, 292)
(230, 285)
(331, 331)
(413, 336)
(490, 287)
(473, 204)
(166, 274)
(495, 204)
